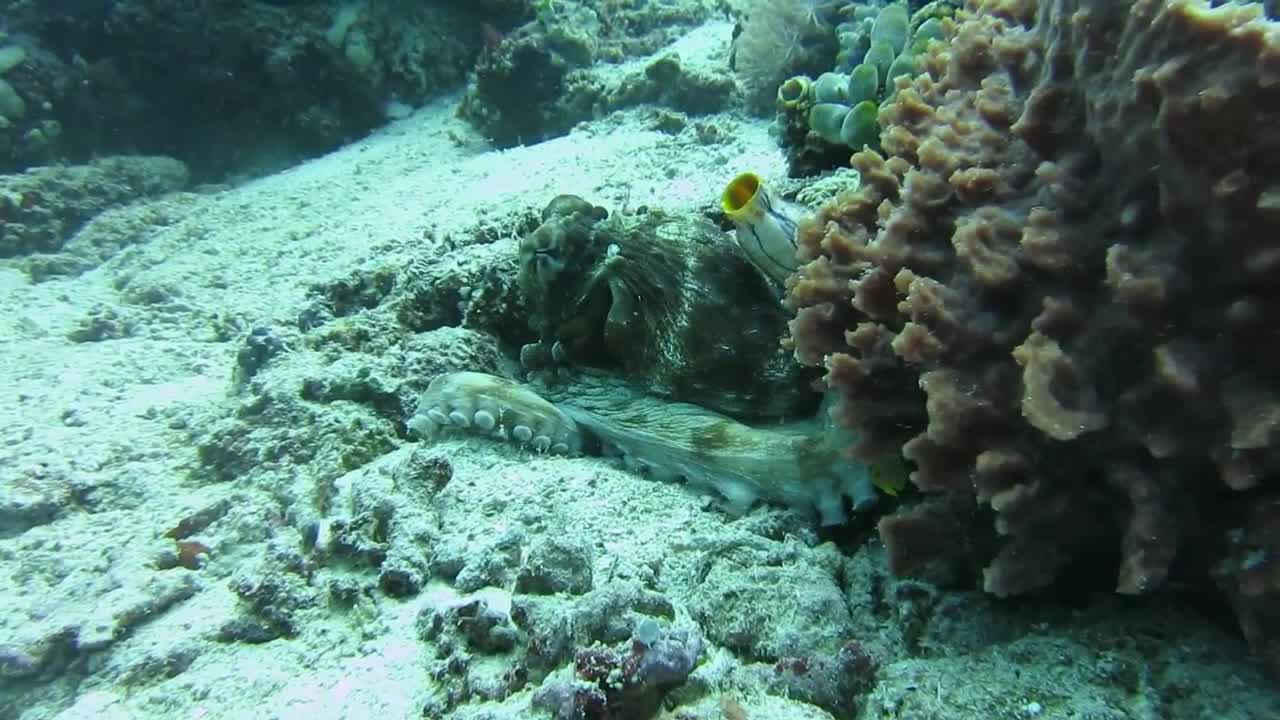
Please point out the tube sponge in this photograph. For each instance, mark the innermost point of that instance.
(859, 128)
(890, 28)
(827, 120)
(864, 83)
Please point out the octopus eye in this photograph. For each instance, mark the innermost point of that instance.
(542, 255)
(530, 250)
(546, 266)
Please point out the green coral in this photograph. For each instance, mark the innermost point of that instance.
(878, 46)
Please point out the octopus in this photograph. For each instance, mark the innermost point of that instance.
(659, 345)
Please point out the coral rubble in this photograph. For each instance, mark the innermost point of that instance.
(1054, 294)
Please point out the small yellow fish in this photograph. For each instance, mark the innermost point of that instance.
(890, 476)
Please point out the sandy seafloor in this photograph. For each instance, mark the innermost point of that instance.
(110, 442)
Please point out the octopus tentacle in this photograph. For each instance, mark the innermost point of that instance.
(495, 407)
(792, 463)
(787, 463)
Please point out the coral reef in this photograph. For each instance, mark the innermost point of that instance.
(229, 90)
(42, 208)
(207, 469)
(669, 83)
(250, 89)
(1053, 295)
(623, 682)
(538, 80)
(521, 92)
(820, 120)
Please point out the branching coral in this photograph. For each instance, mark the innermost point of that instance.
(1056, 295)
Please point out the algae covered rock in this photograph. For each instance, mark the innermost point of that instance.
(40, 210)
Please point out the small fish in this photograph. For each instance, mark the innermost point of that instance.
(890, 476)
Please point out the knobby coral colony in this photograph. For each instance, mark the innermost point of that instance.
(1056, 294)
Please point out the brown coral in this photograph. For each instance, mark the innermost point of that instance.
(1056, 294)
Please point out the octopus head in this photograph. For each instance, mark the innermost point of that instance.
(560, 246)
(542, 256)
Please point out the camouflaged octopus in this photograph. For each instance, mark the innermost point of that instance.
(659, 344)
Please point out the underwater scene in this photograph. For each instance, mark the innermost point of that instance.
(639, 360)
